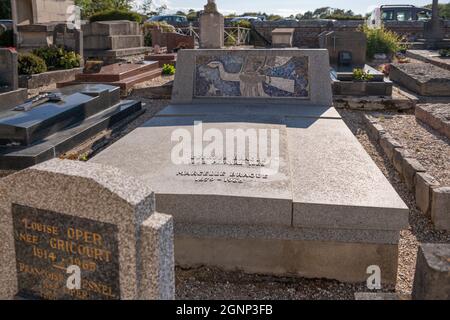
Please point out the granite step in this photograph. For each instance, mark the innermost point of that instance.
(129, 82)
(78, 103)
(116, 72)
(55, 145)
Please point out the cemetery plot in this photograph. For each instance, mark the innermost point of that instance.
(42, 129)
(316, 199)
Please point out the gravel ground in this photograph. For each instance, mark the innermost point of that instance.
(430, 147)
(421, 228)
(154, 82)
(205, 283)
(212, 284)
(103, 139)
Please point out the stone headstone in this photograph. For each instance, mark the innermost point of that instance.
(211, 27)
(69, 38)
(434, 30)
(39, 11)
(9, 77)
(341, 42)
(113, 41)
(282, 37)
(34, 20)
(432, 277)
(89, 216)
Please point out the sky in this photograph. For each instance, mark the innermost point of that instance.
(286, 7)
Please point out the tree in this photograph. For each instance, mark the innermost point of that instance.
(321, 13)
(444, 10)
(89, 7)
(308, 15)
(149, 8)
(5, 9)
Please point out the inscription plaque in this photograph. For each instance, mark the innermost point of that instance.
(48, 242)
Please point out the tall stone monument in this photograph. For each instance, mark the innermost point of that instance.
(34, 21)
(434, 29)
(211, 27)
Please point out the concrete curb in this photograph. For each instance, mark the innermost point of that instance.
(431, 198)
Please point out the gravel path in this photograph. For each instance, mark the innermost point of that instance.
(421, 228)
(205, 283)
(430, 147)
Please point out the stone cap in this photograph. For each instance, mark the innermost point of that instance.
(126, 187)
(283, 30)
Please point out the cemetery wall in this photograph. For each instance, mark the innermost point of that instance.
(307, 31)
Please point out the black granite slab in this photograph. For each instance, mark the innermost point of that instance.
(21, 157)
(78, 103)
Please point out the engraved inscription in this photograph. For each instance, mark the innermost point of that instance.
(47, 243)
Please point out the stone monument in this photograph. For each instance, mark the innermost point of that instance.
(114, 41)
(10, 93)
(88, 220)
(434, 30)
(282, 37)
(302, 199)
(34, 20)
(53, 123)
(211, 27)
(432, 277)
(347, 50)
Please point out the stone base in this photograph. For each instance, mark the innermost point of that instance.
(353, 88)
(48, 78)
(341, 261)
(35, 36)
(430, 56)
(12, 98)
(118, 55)
(422, 78)
(400, 100)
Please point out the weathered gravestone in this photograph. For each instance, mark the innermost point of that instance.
(282, 37)
(432, 277)
(61, 214)
(34, 20)
(211, 27)
(347, 50)
(10, 94)
(259, 171)
(69, 38)
(8, 69)
(113, 41)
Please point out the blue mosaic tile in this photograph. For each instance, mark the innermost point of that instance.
(251, 76)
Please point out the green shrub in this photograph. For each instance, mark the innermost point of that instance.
(148, 26)
(168, 69)
(444, 53)
(31, 64)
(58, 58)
(381, 40)
(6, 38)
(110, 15)
(361, 75)
(243, 24)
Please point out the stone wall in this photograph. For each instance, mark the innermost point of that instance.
(40, 11)
(307, 31)
(172, 40)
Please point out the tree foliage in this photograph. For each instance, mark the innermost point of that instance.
(5, 9)
(444, 9)
(91, 7)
